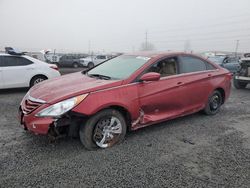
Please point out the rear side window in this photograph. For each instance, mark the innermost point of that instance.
(209, 66)
(14, 61)
(191, 64)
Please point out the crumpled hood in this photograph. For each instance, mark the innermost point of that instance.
(67, 86)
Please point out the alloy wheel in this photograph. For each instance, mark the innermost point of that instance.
(107, 131)
(38, 80)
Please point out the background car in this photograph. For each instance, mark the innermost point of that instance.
(24, 71)
(242, 77)
(70, 61)
(230, 63)
(92, 61)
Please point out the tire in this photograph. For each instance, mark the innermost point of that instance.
(90, 65)
(37, 79)
(214, 103)
(75, 65)
(98, 128)
(239, 85)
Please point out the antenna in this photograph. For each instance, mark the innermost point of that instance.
(236, 48)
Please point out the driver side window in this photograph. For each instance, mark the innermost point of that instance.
(165, 67)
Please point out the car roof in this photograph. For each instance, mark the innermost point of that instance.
(5, 54)
(24, 56)
(153, 54)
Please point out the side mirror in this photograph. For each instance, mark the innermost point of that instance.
(151, 76)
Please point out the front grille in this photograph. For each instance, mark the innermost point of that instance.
(29, 106)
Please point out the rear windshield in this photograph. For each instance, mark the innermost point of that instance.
(120, 67)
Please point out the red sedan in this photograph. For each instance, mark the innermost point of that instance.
(125, 93)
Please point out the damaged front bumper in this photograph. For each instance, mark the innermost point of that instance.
(68, 125)
(35, 124)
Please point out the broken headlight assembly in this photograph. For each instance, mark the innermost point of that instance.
(62, 107)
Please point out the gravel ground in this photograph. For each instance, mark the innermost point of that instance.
(193, 151)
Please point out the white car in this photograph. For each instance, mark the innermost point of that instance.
(92, 61)
(24, 71)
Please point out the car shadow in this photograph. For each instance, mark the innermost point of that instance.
(13, 91)
(61, 143)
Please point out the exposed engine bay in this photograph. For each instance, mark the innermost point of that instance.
(242, 77)
(245, 67)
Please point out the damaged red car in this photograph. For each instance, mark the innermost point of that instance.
(125, 93)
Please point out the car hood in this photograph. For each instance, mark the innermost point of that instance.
(67, 86)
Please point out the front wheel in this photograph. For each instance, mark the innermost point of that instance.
(214, 103)
(103, 130)
(90, 65)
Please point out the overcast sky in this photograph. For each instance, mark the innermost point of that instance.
(120, 25)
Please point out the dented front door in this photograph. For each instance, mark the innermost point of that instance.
(161, 99)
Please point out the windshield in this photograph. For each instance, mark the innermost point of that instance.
(217, 60)
(120, 67)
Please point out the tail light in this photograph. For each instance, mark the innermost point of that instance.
(55, 67)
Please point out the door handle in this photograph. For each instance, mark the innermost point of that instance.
(30, 69)
(209, 75)
(179, 83)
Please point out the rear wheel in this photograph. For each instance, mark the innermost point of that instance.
(239, 85)
(90, 65)
(37, 79)
(75, 65)
(103, 130)
(214, 103)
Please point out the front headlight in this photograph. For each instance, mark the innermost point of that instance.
(62, 107)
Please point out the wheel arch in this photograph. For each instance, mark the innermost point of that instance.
(222, 92)
(124, 111)
(38, 75)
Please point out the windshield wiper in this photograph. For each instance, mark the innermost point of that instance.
(100, 76)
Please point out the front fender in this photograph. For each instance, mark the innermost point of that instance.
(123, 96)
